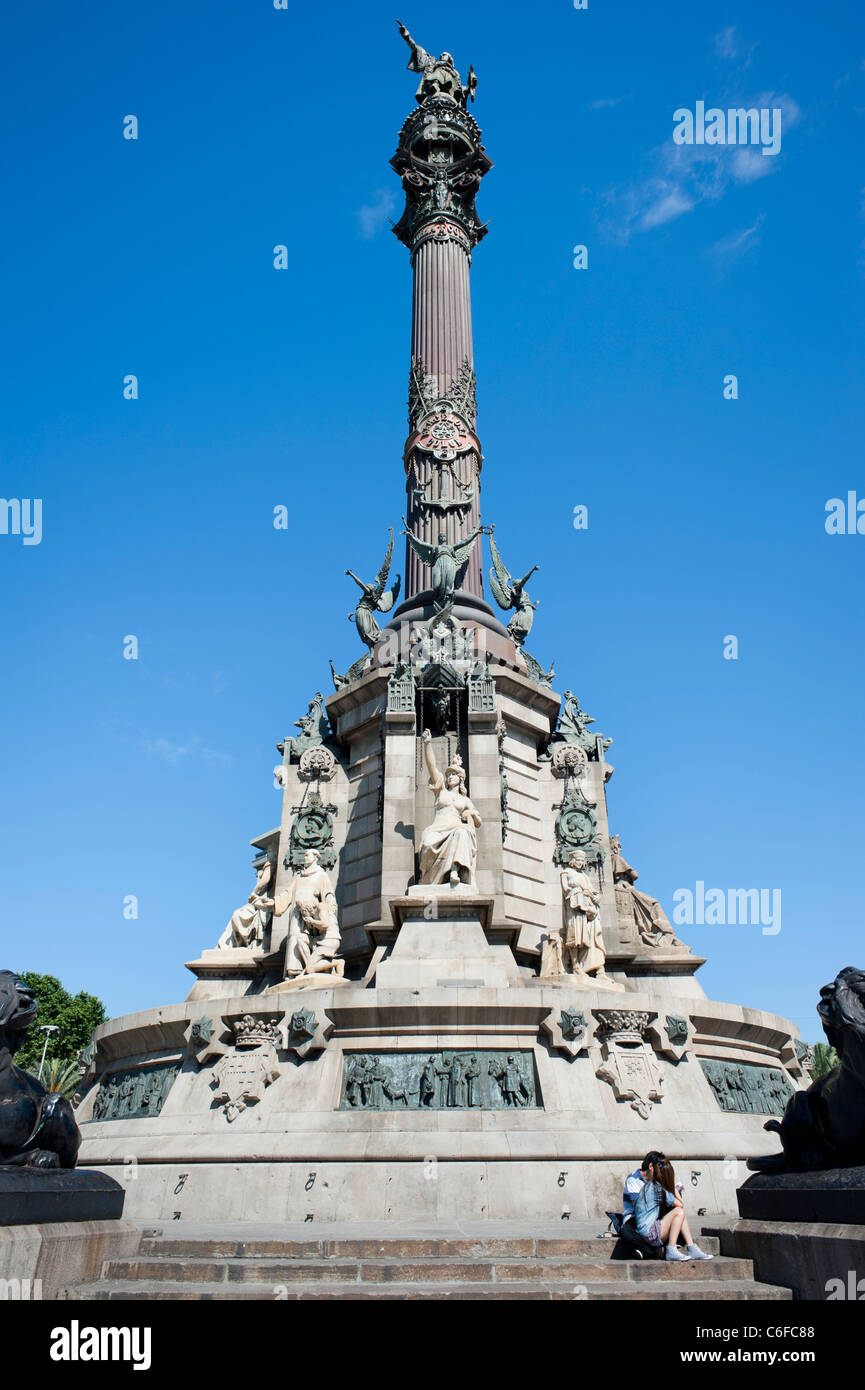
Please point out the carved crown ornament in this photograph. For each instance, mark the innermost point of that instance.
(615, 1022)
(254, 1031)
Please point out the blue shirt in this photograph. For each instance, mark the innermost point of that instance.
(634, 1184)
(649, 1205)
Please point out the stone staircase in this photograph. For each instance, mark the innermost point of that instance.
(453, 1266)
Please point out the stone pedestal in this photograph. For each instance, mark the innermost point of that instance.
(303, 983)
(216, 971)
(32, 1196)
(828, 1194)
(805, 1231)
(441, 940)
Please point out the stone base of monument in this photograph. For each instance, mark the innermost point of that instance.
(803, 1230)
(538, 1099)
(33, 1195)
(42, 1261)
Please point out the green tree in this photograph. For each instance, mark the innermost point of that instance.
(76, 1015)
(825, 1058)
(61, 1076)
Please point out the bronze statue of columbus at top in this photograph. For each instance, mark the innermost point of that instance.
(439, 77)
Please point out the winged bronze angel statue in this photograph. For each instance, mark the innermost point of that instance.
(511, 593)
(375, 600)
(445, 559)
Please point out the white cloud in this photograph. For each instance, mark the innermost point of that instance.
(730, 47)
(749, 163)
(791, 111)
(666, 206)
(174, 753)
(678, 177)
(603, 103)
(171, 753)
(375, 215)
(214, 758)
(732, 248)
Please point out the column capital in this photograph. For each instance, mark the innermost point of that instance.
(441, 160)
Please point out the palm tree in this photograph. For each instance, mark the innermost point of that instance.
(61, 1075)
(825, 1058)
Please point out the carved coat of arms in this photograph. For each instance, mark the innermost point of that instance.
(241, 1077)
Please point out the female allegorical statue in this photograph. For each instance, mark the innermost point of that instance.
(449, 847)
(582, 938)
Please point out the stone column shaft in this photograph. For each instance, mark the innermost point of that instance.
(441, 161)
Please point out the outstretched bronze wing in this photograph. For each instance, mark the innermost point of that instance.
(381, 577)
(464, 550)
(425, 553)
(500, 579)
(387, 600)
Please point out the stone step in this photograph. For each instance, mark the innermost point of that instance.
(405, 1247)
(385, 1270)
(714, 1290)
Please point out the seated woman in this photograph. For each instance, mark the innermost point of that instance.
(659, 1213)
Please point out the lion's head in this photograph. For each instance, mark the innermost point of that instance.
(17, 1009)
(842, 1013)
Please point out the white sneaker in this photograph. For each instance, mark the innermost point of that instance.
(695, 1253)
(673, 1254)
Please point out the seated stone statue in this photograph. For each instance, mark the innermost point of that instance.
(37, 1127)
(645, 914)
(249, 923)
(824, 1127)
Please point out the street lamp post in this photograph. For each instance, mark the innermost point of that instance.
(47, 1029)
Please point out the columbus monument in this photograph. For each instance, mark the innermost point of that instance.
(444, 996)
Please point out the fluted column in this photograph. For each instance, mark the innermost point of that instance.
(441, 161)
(441, 345)
(441, 330)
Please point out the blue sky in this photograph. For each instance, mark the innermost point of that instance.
(600, 387)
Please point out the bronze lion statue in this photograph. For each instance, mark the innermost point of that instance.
(37, 1127)
(824, 1127)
